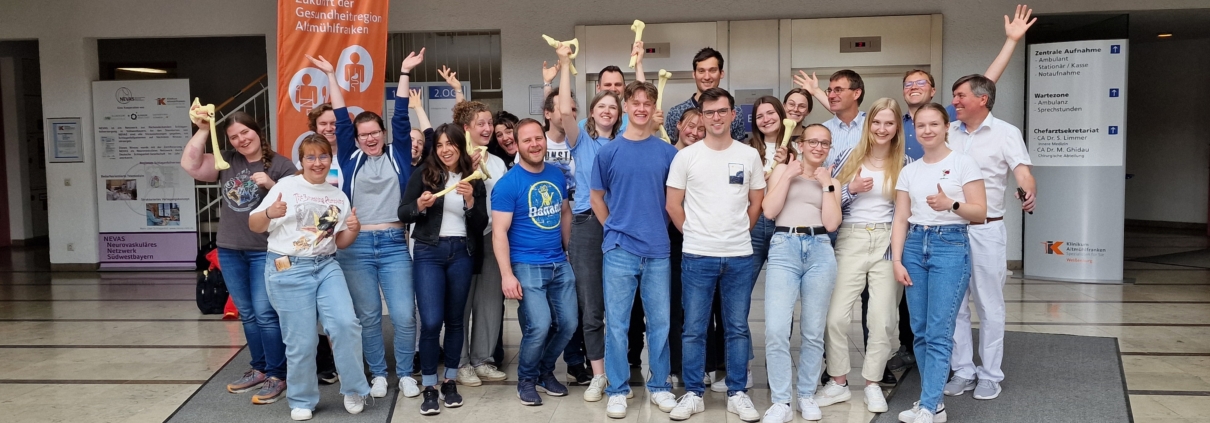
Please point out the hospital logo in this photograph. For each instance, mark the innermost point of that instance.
(545, 205)
(1053, 247)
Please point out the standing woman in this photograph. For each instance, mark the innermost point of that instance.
(241, 252)
(863, 254)
(806, 205)
(798, 105)
(504, 140)
(447, 229)
(322, 120)
(937, 197)
(378, 261)
(308, 220)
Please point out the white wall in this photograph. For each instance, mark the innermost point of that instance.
(65, 29)
(1167, 147)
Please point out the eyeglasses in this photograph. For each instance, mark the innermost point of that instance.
(710, 114)
(320, 158)
(369, 135)
(836, 90)
(814, 143)
(922, 83)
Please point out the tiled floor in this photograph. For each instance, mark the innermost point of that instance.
(131, 347)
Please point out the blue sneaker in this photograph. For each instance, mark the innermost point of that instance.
(549, 384)
(527, 393)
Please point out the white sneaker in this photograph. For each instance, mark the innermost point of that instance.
(409, 387)
(810, 409)
(689, 405)
(832, 393)
(299, 414)
(741, 405)
(596, 388)
(354, 403)
(378, 387)
(923, 416)
(487, 371)
(874, 401)
(909, 416)
(467, 376)
(665, 400)
(721, 384)
(617, 407)
(709, 379)
(778, 413)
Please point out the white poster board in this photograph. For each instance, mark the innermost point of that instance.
(1077, 103)
(146, 202)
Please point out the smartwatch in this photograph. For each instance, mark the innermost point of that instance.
(831, 188)
(955, 208)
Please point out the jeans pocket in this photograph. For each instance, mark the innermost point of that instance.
(578, 219)
(777, 240)
(953, 238)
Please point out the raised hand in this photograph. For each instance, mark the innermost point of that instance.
(412, 61)
(415, 95)
(549, 73)
(262, 179)
(793, 168)
(322, 64)
(637, 51)
(202, 120)
(277, 209)
(1020, 23)
(807, 82)
(425, 201)
(564, 52)
(351, 223)
(824, 176)
(450, 77)
(859, 184)
(939, 201)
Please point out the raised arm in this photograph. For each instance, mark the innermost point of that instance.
(548, 76)
(335, 96)
(422, 117)
(811, 84)
(401, 125)
(637, 50)
(451, 78)
(570, 127)
(1014, 30)
(196, 162)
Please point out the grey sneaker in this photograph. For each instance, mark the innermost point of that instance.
(958, 386)
(987, 390)
(270, 392)
(251, 379)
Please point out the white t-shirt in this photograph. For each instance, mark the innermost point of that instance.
(315, 213)
(716, 185)
(770, 154)
(998, 148)
(872, 206)
(559, 155)
(453, 222)
(497, 168)
(920, 179)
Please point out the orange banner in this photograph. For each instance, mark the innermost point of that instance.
(352, 34)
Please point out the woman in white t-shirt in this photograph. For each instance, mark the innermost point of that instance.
(307, 220)
(863, 254)
(937, 197)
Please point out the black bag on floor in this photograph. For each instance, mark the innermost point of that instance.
(211, 292)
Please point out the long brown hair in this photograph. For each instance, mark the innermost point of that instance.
(894, 161)
(313, 142)
(266, 151)
(434, 170)
(590, 124)
(758, 137)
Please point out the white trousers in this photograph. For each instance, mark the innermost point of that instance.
(989, 269)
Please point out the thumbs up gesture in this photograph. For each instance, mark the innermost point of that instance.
(351, 223)
(823, 175)
(277, 209)
(860, 184)
(939, 201)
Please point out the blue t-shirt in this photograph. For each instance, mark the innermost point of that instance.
(536, 202)
(632, 174)
(584, 152)
(912, 148)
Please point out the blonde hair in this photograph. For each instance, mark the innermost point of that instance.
(894, 160)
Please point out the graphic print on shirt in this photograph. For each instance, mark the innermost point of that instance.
(562, 160)
(545, 205)
(735, 173)
(316, 222)
(240, 192)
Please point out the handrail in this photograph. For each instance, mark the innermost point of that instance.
(241, 105)
(241, 91)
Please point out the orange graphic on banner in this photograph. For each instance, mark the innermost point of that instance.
(352, 32)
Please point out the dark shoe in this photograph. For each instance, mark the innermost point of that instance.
(528, 393)
(901, 359)
(579, 375)
(549, 384)
(328, 377)
(824, 378)
(449, 394)
(431, 405)
(888, 379)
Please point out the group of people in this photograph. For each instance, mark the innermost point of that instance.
(604, 232)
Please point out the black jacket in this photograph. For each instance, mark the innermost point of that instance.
(428, 223)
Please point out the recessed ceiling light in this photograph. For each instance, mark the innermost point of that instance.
(1164, 35)
(143, 70)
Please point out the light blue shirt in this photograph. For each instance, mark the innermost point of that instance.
(621, 129)
(844, 136)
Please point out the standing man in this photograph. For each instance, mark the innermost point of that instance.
(627, 197)
(707, 72)
(998, 148)
(715, 189)
(531, 225)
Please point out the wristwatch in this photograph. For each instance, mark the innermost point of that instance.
(831, 188)
(955, 208)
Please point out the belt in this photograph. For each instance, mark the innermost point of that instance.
(585, 213)
(804, 230)
(866, 226)
(989, 220)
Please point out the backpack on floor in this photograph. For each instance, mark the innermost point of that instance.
(211, 291)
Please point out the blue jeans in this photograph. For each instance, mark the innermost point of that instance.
(312, 289)
(621, 273)
(548, 315)
(800, 267)
(938, 259)
(762, 234)
(244, 275)
(442, 275)
(380, 260)
(732, 277)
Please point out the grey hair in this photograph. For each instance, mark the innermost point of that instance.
(980, 86)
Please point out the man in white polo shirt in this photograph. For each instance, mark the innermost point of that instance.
(999, 149)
